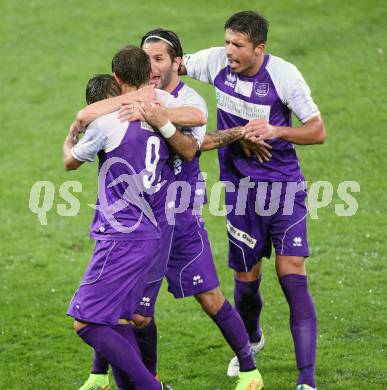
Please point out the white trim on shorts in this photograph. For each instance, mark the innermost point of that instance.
(166, 264)
(243, 253)
(182, 270)
(103, 267)
(306, 206)
(84, 284)
(286, 231)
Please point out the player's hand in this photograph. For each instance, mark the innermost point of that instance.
(260, 150)
(261, 130)
(154, 114)
(75, 129)
(130, 112)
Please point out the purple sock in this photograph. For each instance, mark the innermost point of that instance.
(233, 330)
(147, 341)
(249, 304)
(100, 365)
(120, 352)
(303, 325)
(122, 380)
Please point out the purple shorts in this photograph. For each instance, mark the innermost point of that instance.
(115, 278)
(268, 217)
(191, 269)
(156, 273)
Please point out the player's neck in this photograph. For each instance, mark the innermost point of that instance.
(125, 88)
(173, 84)
(253, 70)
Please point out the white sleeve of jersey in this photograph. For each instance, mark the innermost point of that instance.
(93, 141)
(166, 99)
(292, 89)
(198, 133)
(193, 99)
(205, 64)
(105, 133)
(190, 99)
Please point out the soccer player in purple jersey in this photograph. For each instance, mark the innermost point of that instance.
(101, 87)
(131, 164)
(260, 92)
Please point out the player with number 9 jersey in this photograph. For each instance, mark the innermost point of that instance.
(134, 174)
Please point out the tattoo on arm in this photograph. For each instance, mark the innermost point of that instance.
(225, 137)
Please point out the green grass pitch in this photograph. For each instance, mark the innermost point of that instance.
(50, 48)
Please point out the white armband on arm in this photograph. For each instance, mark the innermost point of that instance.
(168, 130)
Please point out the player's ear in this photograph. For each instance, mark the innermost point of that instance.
(259, 49)
(177, 64)
(119, 81)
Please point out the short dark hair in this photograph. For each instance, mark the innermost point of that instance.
(101, 86)
(174, 48)
(254, 25)
(132, 65)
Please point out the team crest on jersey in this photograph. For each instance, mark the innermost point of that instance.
(261, 89)
(231, 79)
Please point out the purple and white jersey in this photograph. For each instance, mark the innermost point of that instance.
(272, 94)
(189, 171)
(133, 176)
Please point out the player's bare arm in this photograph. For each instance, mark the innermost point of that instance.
(186, 116)
(69, 162)
(106, 106)
(218, 138)
(184, 145)
(180, 116)
(311, 132)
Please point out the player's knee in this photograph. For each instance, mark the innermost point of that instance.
(211, 301)
(286, 265)
(251, 275)
(141, 321)
(78, 325)
(124, 321)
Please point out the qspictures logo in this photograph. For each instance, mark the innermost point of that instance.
(133, 190)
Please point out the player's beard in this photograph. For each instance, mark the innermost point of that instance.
(166, 78)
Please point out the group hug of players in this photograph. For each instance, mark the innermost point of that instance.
(148, 128)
